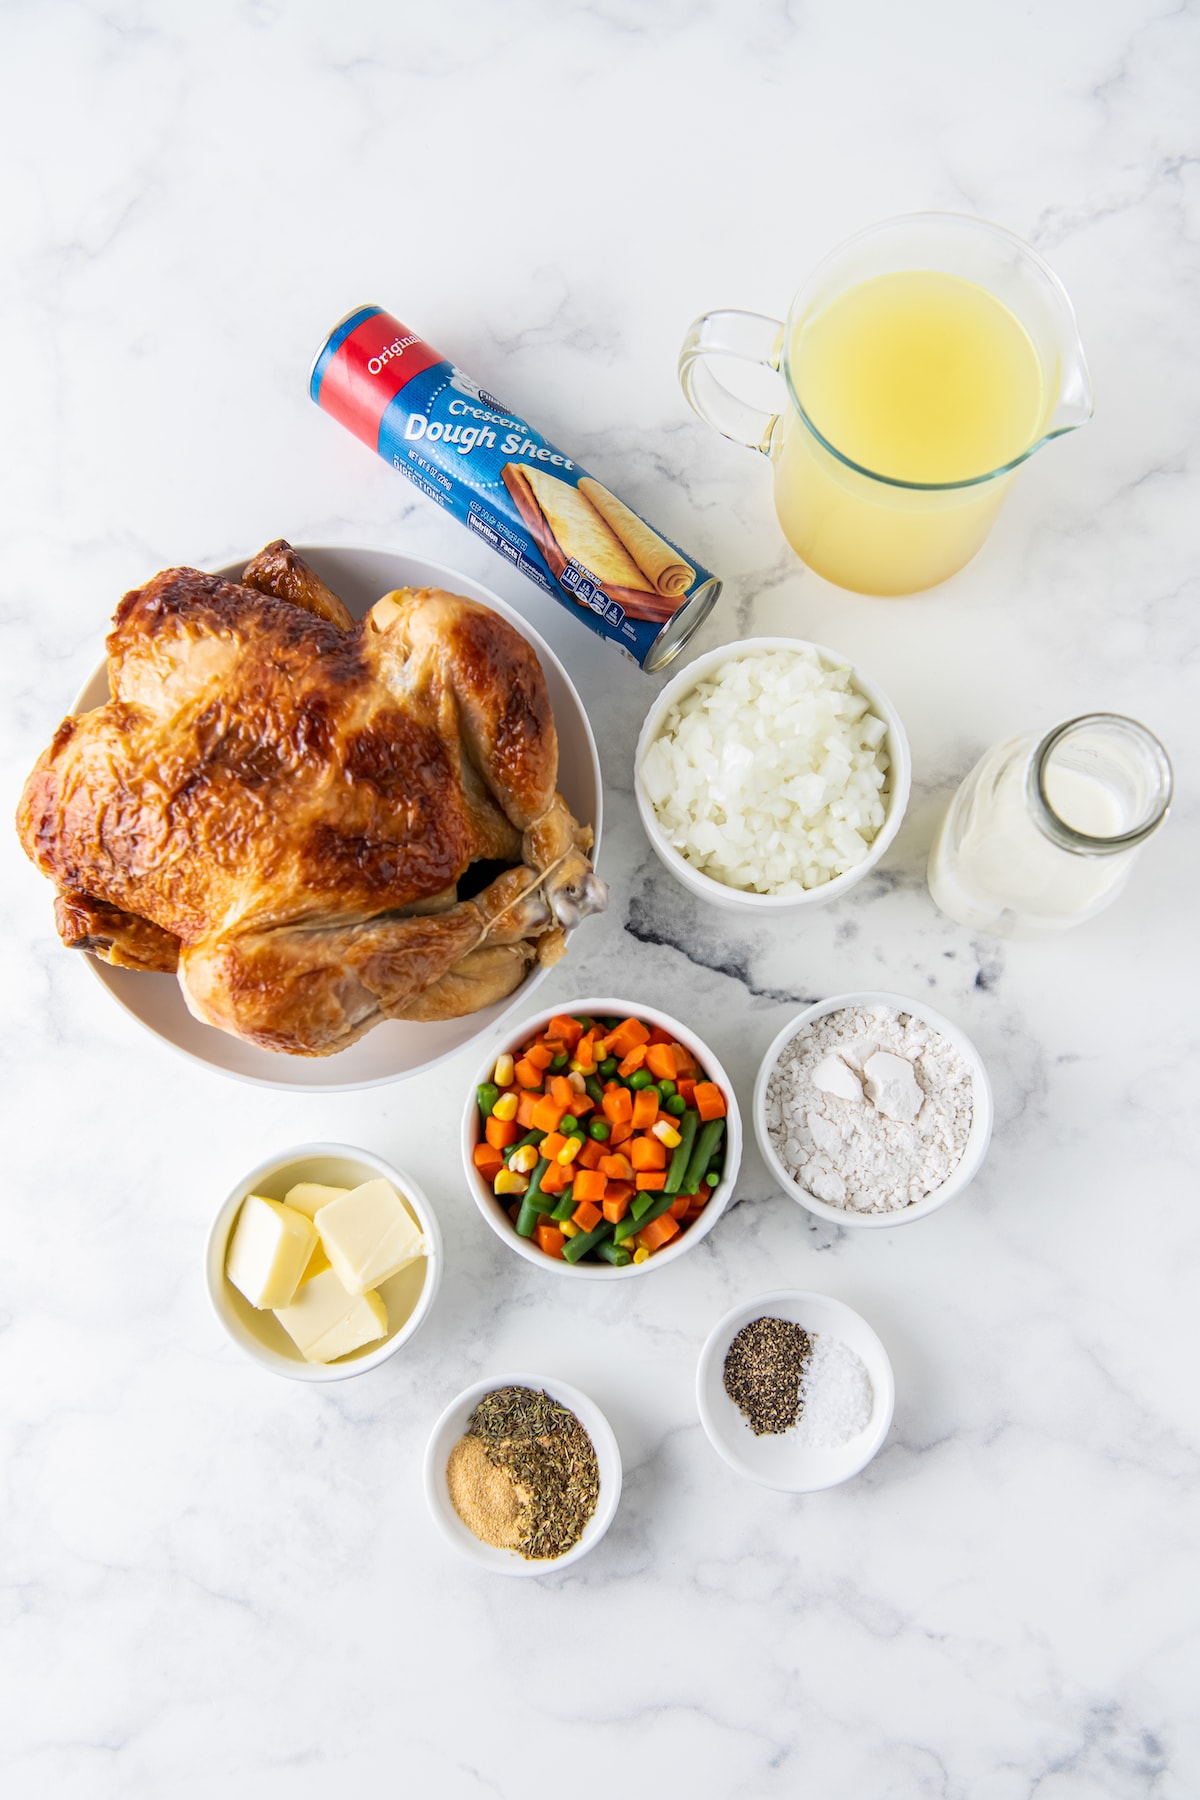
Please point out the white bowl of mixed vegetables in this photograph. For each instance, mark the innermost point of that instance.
(602, 1139)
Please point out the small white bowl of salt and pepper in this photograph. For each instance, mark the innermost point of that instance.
(795, 1391)
(872, 1110)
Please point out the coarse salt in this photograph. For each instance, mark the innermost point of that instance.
(835, 1393)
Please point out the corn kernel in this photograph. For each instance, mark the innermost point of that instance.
(502, 1074)
(641, 1254)
(581, 1068)
(577, 1082)
(568, 1230)
(505, 1107)
(508, 1183)
(666, 1134)
(524, 1159)
(569, 1151)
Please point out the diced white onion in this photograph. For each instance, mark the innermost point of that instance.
(771, 773)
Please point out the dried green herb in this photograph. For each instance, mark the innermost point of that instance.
(763, 1367)
(548, 1454)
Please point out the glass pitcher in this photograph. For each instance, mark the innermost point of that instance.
(858, 527)
(1043, 832)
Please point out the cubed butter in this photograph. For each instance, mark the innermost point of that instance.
(325, 1322)
(308, 1196)
(318, 1262)
(368, 1234)
(268, 1252)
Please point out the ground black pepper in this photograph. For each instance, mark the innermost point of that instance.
(763, 1367)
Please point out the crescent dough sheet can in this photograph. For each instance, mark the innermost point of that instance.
(500, 478)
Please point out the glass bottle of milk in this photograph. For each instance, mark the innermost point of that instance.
(1043, 832)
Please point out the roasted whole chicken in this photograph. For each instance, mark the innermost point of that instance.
(318, 824)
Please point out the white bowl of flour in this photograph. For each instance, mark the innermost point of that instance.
(873, 1110)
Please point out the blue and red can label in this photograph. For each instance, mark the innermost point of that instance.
(528, 500)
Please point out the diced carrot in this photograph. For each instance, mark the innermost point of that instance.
(647, 1153)
(660, 1060)
(701, 1195)
(687, 1087)
(540, 1055)
(581, 1104)
(590, 1185)
(500, 1133)
(560, 1089)
(628, 1033)
(710, 1101)
(551, 1144)
(615, 1210)
(620, 1190)
(589, 1156)
(547, 1113)
(563, 1026)
(586, 1215)
(685, 1062)
(514, 1211)
(618, 1105)
(528, 1074)
(634, 1060)
(678, 1207)
(549, 1239)
(525, 1110)
(487, 1159)
(658, 1035)
(620, 1134)
(617, 1167)
(651, 1181)
(645, 1108)
(555, 1179)
(658, 1232)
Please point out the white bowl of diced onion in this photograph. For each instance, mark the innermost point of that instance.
(408, 1295)
(837, 822)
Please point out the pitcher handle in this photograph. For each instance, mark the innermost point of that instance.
(750, 337)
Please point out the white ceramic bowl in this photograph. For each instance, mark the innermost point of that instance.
(452, 1425)
(977, 1141)
(737, 899)
(397, 1047)
(778, 1461)
(408, 1296)
(687, 1240)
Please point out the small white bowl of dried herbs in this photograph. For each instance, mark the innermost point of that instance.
(523, 1474)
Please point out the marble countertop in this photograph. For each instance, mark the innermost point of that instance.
(215, 1582)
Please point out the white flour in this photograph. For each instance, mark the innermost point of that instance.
(843, 1150)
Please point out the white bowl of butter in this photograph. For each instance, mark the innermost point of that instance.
(269, 1243)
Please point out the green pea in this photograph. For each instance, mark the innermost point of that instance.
(599, 1129)
(568, 1124)
(608, 1068)
(641, 1078)
(677, 1105)
(559, 1063)
(666, 1089)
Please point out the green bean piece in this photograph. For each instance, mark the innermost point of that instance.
(568, 1124)
(599, 1129)
(627, 1228)
(607, 1068)
(614, 1253)
(702, 1155)
(582, 1019)
(533, 1201)
(566, 1205)
(666, 1089)
(593, 1090)
(681, 1156)
(677, 1105)
(531, 1137)
(487, 1093)
(559, 1063)
(653, 1207)
(711, 1179)
(578, 1247)
(641, 1078)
